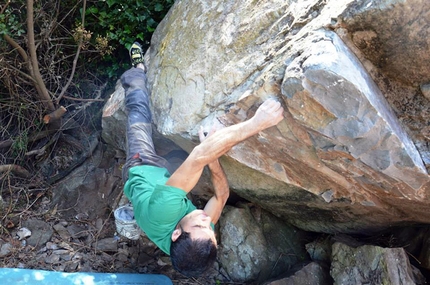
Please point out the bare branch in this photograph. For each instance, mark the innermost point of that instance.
(23, 74)
(21, 171)
(16, 46)
(35, 137)
(75, 60)
(4, 7)
(6, 143)
(38, 152)
(40, 86)
(84, 100)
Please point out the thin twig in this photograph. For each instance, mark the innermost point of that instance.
(75, 60)
(28, 206)
(32, 138)
(4, 7)
(416, 259)
(23, 74)
(83, 100)
(16, 46)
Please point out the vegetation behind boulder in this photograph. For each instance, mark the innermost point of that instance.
(57, 59)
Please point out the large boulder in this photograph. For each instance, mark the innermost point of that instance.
(351, 76)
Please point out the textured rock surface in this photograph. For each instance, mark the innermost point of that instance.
(257, 246)
(41, 232)
(391, 38)
(372, 265)
(346, 72)
(89, 189)
(311, 274)
(114, 120)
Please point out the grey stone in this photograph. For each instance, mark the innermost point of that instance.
(101, 187)
(311, 274)
(23, 233)
(41, 232)
(77, 230)
(60, 251)
(106, 244)
(243, 251)
(66, 257)
(5, 249)
(65, 246)
(320, 249)
(52, 259)
(371, 265)
(52, 246)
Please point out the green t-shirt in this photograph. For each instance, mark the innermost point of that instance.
(157, 207)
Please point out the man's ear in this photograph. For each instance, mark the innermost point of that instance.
(176, 233)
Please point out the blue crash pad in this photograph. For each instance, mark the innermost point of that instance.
(18, 276)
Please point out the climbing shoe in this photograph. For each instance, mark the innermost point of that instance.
(136, 54)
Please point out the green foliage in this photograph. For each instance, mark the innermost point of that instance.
(10, 23)
(19, 146)
(110, 27)
(122, 22)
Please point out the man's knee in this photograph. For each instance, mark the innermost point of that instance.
(134, 161)
(133, 79)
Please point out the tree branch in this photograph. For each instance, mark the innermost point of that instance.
(29, 77)
(15, 169)
(40, 85)
(16, 46)
(75, 60)
(4, 7)
(37, 136)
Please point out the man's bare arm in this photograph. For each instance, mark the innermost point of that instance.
(216, 204)
(187, 175)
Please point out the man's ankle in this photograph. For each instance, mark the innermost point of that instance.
(141, 66)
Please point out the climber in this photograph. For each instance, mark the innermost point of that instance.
(158, 196)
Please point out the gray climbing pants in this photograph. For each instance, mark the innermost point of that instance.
(140, 147)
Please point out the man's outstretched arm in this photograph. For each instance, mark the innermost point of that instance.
(187, 175)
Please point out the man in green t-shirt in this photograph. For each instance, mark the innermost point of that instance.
(158, 194)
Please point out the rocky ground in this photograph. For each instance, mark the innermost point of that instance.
(34, 236)
(40, 227)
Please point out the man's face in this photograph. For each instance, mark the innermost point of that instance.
(198, 224)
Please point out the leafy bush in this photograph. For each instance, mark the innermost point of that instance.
(9, 23)
(76, 59)
(116, 24)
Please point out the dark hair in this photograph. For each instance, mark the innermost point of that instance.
(192, 257)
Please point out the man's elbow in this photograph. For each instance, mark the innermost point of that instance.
(223, 196)
(198, 156)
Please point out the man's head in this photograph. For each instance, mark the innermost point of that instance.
(193, 249)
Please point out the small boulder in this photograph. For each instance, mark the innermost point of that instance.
(369, 264)
(41, 232)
